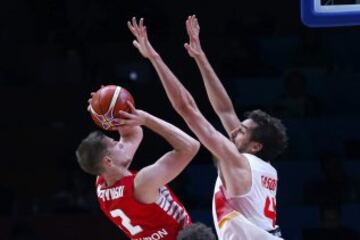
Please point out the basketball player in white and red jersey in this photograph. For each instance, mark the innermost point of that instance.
(244, 205)
(139, 203)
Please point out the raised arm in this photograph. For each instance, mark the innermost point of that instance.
(232, 164)
(151, 178)
(216, 92)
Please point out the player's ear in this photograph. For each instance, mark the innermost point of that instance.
(256, 147)
(106, 161)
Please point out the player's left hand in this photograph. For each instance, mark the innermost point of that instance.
(142, 43)
(193, 30)
(89, 100)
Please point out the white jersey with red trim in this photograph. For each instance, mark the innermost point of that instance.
(257, 208)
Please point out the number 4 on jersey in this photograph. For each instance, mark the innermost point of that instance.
(270, 209)
(125, 222)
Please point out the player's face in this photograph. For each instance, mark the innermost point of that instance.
(241, 136)
(117, 153)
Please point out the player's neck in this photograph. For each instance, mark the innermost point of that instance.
(113, 176)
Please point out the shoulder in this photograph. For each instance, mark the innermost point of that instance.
(258, 165)
(251, 157)
(255, 160)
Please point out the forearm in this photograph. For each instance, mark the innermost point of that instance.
(217, 94)
(151, 178)
(176, 92)
(179, 140)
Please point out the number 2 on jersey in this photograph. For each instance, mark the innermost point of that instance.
(270, 209)
(125, 221)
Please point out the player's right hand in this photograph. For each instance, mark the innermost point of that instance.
(133, 118)
(193, 30)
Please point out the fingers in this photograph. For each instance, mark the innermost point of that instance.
(196, 23)
(136, 44)
(142, 28)
(193, 20)
(126, 119)
(192, 25)
(131, 28)
(131, 106)
(125, 114)
(128, 123)
(120, 122)
(138, 29)
(134, 23)
(89, 105)
(188, 26)
(145, 35)
(187, 46)
(141, 23)
(89, 101)
(116, 122)
(143, 31)
(91, 96)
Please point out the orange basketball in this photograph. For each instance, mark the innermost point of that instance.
(106, 103)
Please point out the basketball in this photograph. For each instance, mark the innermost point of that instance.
(106, 103)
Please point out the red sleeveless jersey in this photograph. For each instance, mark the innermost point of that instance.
(160, 220)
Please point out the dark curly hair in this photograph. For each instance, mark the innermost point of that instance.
(271, 133)
(196, 231)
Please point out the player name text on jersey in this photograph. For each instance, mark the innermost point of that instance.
(110, 193)
(268, 183)
(155, 236)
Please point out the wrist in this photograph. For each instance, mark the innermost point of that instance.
(144, 116)
(200, 56)
(154, 56)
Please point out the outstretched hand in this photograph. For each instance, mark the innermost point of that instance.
(142, 43)
(193, 30)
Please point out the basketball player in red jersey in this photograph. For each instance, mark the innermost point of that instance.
(140, 204)
(245, 192)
